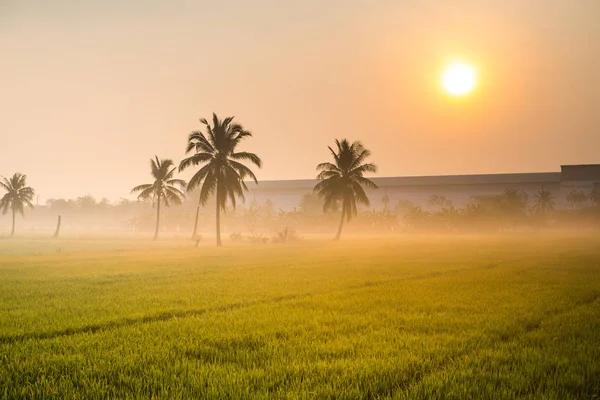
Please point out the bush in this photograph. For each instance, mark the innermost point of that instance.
(285, 235)
(236, 237)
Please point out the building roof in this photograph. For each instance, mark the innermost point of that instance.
(443, 180)
(583, 172)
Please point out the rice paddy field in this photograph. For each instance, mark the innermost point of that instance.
(465, 317)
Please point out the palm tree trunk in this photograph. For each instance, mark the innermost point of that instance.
(12, 233)
(339, 232)
(218, 219)
(195, 234)
(157, 218)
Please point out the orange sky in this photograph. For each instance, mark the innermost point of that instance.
(91, 90)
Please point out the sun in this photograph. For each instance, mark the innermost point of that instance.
(459, 79)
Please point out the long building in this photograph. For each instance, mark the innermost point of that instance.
(460, 189)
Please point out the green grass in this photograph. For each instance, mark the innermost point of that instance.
(406, 317)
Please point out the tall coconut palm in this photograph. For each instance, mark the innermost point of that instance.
(543, 202)
(222, 172)
(18, 195)
(162, 188)
(343, 181)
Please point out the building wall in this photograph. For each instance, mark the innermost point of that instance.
(460, 189)
(580, 173)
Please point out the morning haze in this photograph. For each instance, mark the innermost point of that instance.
(91, 90)
(277, 199)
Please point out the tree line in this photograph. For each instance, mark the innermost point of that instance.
(221, 172)
(510, 209)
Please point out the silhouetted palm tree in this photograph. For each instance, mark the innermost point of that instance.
(162, 187)
(440, 201)
(543, 202)
(343, 180)
(416, 218)
(17, 197)
(513, 205)
(223, 173)
(577, 199)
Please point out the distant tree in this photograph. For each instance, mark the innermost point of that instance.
(448, 218)
(222, 173)
(60, 205)
(481, 215)
(252, 219)
(438, 201)
(515, 197)
(269, 208)
(577, 199)
(473, 208)
(543, 202)
(140, 222)
(311, 204)
(594, 197)
(254, 204)
(403, 207)
(104, 203)
(162, 188)
(582, 199)
(86, 202)
(386, 201)
(512, 204)
(18, 195)
(415, 217)
(342, 181)
(124, 206)
(571, 198)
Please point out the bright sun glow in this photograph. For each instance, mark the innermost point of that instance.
(459, 79)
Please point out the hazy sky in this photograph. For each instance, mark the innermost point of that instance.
(90, 90)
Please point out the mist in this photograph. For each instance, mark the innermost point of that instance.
(92, 90)
(299, 199)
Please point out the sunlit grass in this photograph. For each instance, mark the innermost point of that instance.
(405, 317)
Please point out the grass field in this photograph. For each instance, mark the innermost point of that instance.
(406, 317)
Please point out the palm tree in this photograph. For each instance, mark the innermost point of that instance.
(17, 197)
(513, 205)
(415, 217)
(162, 188)
(343, 180)
(440, 201)
(581, 199)
(543, 202)
(577, 199)
(222, 172)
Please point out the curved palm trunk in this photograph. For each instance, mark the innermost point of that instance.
(12, 233)
(57, 231)
(218, 219)
(157, 218)
(339, 232)
(195, 234)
